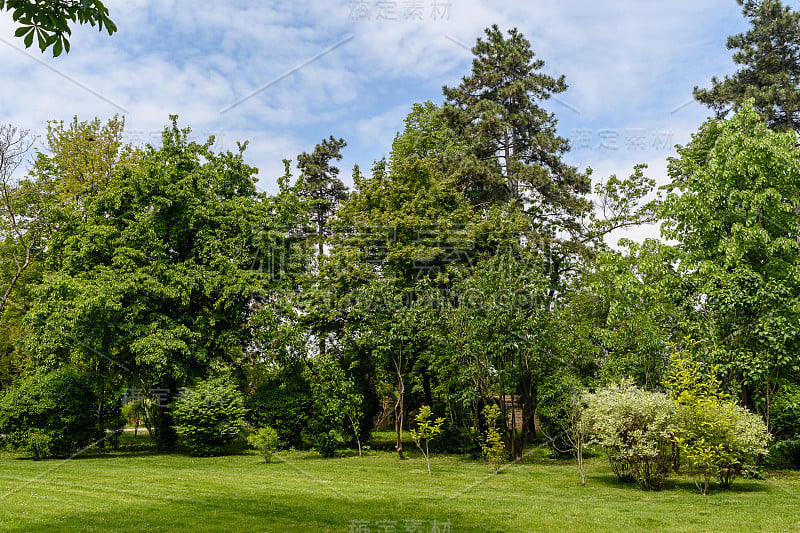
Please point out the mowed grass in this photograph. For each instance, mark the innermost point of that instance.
(136, 490)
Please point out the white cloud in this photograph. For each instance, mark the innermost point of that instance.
(629, 64)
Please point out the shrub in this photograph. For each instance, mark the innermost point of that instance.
(635, 427)
(209, 415)
(716, 436)
(719, 439)
(264, 440)
(50, 414)
(328, 442)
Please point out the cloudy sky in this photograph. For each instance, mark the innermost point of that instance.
(286, 75)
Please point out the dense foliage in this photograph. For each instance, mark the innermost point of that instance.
(49, 414)
(209, 415)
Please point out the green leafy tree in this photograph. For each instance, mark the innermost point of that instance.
(209, 415)
(426, 431)
(337, 405)
(156, 283)
(49, 21)
(734, 206)
(769, 55)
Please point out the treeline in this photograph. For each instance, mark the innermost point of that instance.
(467, 268)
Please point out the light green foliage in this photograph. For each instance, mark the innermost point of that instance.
(209, 415)
(716, 436)
(634, 299)
(493, 447)
(49, 414)
(769, 57)
(636, 429)
(734, 206)
(49, 20)
(264, 440)
(426, 431)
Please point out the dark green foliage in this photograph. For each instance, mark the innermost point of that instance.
(327, 442)
(49, 414)
(283, 402)
(209, 415)
(769, 55)
(516, 153)
(785, 426)
(319, 182)
(49, 20)
(455, 438)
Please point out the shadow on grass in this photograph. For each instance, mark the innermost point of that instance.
(683, 483)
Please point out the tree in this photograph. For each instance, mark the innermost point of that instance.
(425, 432)
(49, 20)
(493, 447)
(320, 185)
(23, 225)
(319, 182)
(516, 154)
(769, 55)
(337, 405)
(156, 284)
(734, 206)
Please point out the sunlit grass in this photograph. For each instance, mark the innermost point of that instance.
(136, 490)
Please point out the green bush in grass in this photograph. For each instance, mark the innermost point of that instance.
(264, 440)
(50, 414)
(209, 415)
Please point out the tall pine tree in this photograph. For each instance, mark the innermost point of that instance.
(517, 153)
(769, 53)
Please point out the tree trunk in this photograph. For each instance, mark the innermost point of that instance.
(101, 425)
(399, 410)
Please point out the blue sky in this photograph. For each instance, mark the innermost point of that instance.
(353, 70)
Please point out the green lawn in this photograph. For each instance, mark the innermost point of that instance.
(135, 490)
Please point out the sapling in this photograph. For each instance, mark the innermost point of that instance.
(426, 431)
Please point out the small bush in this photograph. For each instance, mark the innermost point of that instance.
(718, 437)
(636, 428)
(264, 440)
(209, 415)
(328, 442)
(50, 414)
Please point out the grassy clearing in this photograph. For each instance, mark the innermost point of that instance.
(135, 490)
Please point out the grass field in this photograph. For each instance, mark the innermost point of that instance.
(137, 490)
